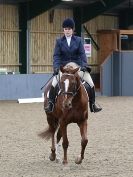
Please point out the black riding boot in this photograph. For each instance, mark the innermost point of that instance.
(91, 94)
(93, 106)
(51, 100)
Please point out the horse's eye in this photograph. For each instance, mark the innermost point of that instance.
(73, 85)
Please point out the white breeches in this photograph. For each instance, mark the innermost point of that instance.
(84, 75)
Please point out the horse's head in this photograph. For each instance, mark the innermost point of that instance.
(69, 85)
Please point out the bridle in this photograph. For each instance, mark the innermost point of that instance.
(71, 93)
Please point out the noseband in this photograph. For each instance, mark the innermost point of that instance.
(68, 93)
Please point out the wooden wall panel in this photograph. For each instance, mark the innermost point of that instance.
(43, 34)
(108, 43)
(100, 22)
(9, 37)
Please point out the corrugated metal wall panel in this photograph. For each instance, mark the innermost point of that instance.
(116, 74)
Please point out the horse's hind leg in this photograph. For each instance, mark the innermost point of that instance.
(53, 154)
(84, 141)
(53, 125)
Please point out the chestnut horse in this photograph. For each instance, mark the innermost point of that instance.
(71, 107)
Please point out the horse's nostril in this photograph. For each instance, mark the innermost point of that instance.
(70, 104)
(67, 105)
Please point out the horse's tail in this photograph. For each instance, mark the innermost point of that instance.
(46, 134)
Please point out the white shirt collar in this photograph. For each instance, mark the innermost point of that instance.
(68, 38)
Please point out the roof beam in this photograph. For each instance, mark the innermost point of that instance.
(38, 7)
(126, 18)
(77, 15)
(92, 10)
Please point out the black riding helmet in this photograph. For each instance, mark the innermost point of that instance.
(68, 23)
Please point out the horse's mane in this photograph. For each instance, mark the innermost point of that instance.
(70, 68)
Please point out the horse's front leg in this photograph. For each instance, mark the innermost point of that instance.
(84, 141)
(58, 146)
(65, 142)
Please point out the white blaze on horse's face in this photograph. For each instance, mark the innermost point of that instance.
(66, 85)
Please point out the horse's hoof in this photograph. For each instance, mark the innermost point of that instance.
(52, 157)
(78, 160)
(58, 160)
(65, 162)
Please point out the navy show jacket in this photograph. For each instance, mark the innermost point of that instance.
(64, 54)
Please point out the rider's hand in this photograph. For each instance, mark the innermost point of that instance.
(56, 71)
(83, 68)
(88, 68)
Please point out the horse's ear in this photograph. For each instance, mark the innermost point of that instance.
(75, 70)
(61, 69)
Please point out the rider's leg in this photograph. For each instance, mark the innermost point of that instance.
(52, 95)
(91, 94)
(90, 90)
